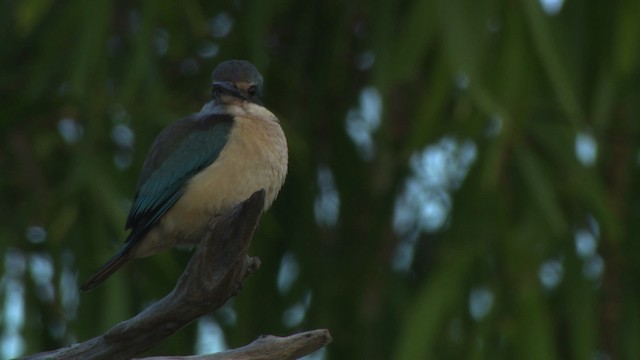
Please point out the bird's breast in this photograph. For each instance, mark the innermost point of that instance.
(255, 157)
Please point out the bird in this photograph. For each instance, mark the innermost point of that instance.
(199, 167)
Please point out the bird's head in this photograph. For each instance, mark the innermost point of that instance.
(236, 81)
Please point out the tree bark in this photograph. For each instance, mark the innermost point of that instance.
(213, 275)
(267, 348)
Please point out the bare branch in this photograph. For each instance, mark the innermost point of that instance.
(213, 275)
(267, 348)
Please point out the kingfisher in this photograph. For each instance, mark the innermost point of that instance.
(199, 167)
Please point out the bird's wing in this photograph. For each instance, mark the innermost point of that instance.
(179, 152)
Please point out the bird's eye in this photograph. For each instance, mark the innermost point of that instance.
(251, 90)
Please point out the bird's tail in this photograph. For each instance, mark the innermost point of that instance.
(106, 270)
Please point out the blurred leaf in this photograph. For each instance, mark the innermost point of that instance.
(578, 292)
(555, 62)
(627, 38)
(463, 24)
(535, 340)
(415, 38)
(431, 105)
(630, 349)
(533, 336)
(427, 317)
(603, 98)
(29, 13)
(541, 189)
(91, 50)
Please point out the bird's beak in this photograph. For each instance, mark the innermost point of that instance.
(226, 88)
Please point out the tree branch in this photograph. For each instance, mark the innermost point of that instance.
(213, 275)
(267, 348)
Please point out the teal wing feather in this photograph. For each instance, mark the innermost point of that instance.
(179, 152)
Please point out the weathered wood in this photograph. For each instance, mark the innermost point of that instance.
(267, 348)
(213, 275)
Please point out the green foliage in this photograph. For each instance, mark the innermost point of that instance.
(507, 272)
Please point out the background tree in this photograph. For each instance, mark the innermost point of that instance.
(462, 178)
